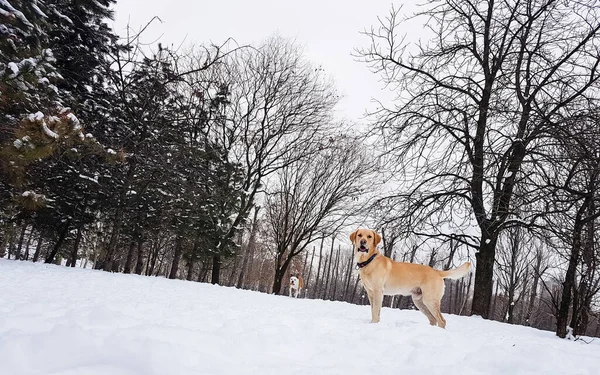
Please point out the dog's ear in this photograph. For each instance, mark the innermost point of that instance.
(377, 238)
(353, 235)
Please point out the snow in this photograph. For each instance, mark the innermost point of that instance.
(35, 116)
(48, 131)
(18, 144)
(16, 13)
(75, 121)
(53, 88)
(93, 179)
(34, 195)
(60, 320)
(38, 10)
(14, 68)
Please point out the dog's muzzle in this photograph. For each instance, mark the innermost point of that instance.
(363, 249)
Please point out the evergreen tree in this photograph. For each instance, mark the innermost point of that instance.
(27, 80)
(54, 52)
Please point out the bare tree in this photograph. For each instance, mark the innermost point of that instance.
(280, 106)
(313, 198)
(474, 104)
(575, 174)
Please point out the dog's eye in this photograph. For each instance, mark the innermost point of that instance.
(369, 236)
(360, 235)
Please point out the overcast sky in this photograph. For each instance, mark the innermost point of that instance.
(328, 30)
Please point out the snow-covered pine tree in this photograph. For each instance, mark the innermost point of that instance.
(26, 88)
(53, 54)
(81, 41)
(28, 74)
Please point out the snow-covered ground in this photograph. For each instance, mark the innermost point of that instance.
(58, 320)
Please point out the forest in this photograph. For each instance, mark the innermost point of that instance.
(227, 163)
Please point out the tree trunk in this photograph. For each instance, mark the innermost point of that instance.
(61, 238)
(576, 309)
(466, 294)
(139, 261)
(75, 250)
(315, 289)
(453, 248)
(329, 261)
(304, 263)
(203, 273)
(20, 245)
(26, 256)
(277, 281)
(523, 297)
(307, 280)
(190, 269)
(38, 248)
(348, 276)
(11, 241)
(191, 259)
(216, 269)
(4, 232)
(161, 258)
(484, 272)
(536, 276)
(249, 253)
(355, 288)
(129, 260)
(176, 256)
(155, 252)
(493, 305)
(450, 295)
(565, 302)
(511, 306)
(336, 273)
(459, 296)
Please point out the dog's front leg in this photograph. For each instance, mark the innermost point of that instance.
(376, 298)
(290, 294)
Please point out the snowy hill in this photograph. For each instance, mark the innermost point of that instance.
(58, 320)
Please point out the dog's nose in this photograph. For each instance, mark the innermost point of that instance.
(363, 241)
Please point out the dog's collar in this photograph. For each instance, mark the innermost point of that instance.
(360, 265)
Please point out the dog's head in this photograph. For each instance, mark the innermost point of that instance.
(294, 281)
(365, 241)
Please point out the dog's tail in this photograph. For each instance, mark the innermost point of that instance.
(456, 273)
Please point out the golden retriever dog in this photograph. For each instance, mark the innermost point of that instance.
(382, 276)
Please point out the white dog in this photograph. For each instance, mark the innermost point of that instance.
(296, 284)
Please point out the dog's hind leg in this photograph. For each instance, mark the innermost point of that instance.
(434, 307)
(417, 298)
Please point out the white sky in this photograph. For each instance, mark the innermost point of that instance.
(329, 31)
